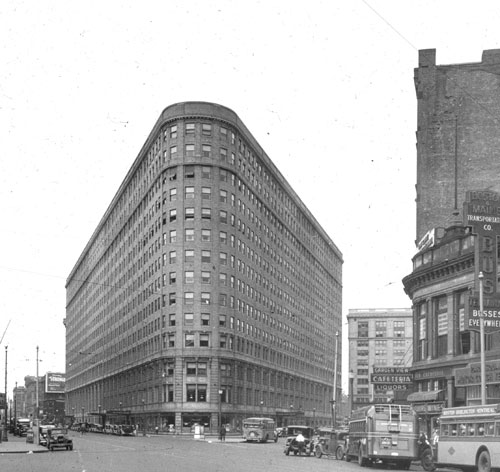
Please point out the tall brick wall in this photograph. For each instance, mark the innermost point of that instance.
(458, 135)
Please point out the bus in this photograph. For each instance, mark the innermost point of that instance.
(383, 433)
(469, 437)
(259, 430)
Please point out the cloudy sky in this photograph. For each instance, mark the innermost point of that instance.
(322, 85)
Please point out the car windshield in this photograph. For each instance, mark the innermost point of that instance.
(58, 431)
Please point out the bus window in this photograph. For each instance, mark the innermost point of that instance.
(461, 430)
(490, 429)
(480, 429)
(497, 429)
(453, 429)
(471, 431)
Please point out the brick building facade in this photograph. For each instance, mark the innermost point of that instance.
(208, 292)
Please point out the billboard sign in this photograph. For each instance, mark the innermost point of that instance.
(55, 382)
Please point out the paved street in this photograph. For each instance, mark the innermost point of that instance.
(103, 453)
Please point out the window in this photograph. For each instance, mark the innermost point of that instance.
(222, 299)
(188, 319)
(171, 319)
(206, 256)
(189, 255)
(223, 175)
(172, 257)
(188, 277)
(189, 234)
(380, 329)
(173, 236)
(173, 194)
(223, 196)
(172, 174)
(189, 150)
(441, 307)
(189, 214)
(222, 320)
(206, 193)
(171, 340)
(189, 193)
(189, 340)
(205, 298)
(204, 340)
(206, 172)
(222, 340)
(206, 235)
(362, 329)
(173, 132)
(172, 279)
(223, 154)
(189, 172)
(189, 130)
(173, 152)
(399, 329)
(223, 279)
(205, 319)
(223, 258)
(188, 298)
(206, 213)
(223, 133)
(171, 299)
(206, 129)
(223, 237)
(206, 150)
(196, 393)
(223, 216)
(173, 215)
(205, 277)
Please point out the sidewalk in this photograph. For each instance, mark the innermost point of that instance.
(20, 446)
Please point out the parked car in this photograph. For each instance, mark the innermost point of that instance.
(22, 426)
(331, 444)
(291, 444)
(58, 437)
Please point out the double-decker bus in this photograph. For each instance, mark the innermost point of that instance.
(259, 429)
(469, 437)
(386, 433)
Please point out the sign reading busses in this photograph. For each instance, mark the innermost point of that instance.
(482, 213)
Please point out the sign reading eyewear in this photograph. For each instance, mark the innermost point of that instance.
(482, 214)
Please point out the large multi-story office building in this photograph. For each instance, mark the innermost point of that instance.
(458, 144)
(208, 292)
(380, 354)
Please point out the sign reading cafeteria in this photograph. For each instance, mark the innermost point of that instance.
(482, 213)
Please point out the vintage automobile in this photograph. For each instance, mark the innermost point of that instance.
(291, 444)
(42, 439)
(331, 444)
(58, 437)
(22, 426)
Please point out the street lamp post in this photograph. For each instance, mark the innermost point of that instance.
(314, 417)
(220, 408)
(4, 434)
(143, 417)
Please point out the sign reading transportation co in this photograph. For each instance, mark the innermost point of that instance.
(482, 213)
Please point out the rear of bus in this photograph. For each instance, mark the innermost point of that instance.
(395, 434)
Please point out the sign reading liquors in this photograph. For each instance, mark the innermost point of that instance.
(482, 213)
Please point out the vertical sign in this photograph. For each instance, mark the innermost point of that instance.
(482, 213)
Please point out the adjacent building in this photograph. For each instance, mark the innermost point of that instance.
(458, 143)
(380, 354)
(208, 292)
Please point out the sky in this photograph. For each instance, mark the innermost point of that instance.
(323, 85)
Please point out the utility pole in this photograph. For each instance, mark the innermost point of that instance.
(334, 396)
(5, 437)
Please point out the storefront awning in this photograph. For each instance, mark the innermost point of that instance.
(431, 396)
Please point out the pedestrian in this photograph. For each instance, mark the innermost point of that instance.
(222, 433)
(156, 429)
(301, 440)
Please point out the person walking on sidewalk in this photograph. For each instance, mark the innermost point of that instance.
(222, 433)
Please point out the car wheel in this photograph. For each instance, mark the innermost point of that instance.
(318, 453)
(339, 453)
(484, 462)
